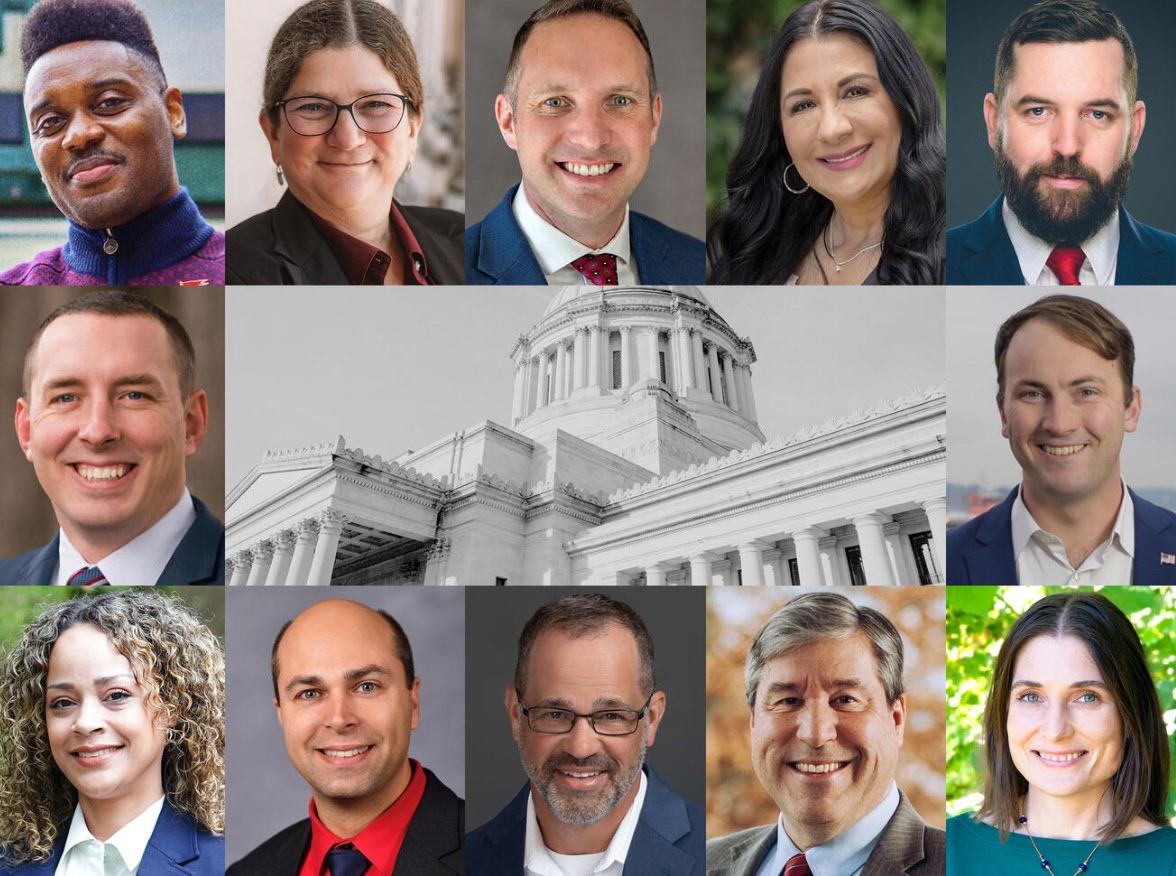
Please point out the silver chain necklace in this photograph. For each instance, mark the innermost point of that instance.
(829, 252)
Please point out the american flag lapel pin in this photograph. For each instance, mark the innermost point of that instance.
(1167, 559)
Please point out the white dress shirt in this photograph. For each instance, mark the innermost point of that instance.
(538, 860)
(1042, 558)
(555, 251)
(1102, 253)
(83, 855)
(844, 855)
(140, 561)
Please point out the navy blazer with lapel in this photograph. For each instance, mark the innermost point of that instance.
(981, 550)
(669, 840)
(980, 253)
(497, 252)
(198, 559)
(177, 848)
(432, 846)
(284, 246)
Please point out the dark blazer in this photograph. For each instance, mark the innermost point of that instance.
(497, 252)
(283, 247)
(177, 848)
(981, 254)
(981, 550)
(907, 845)
(432, 846)
(198, 559)
(668, 840)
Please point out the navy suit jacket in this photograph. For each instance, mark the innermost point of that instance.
(670, 839)
(981, 254)
(497, 252)
(177, 848)
(981, 551)
(199, 558)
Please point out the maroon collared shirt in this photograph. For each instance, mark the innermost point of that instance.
(367, 265)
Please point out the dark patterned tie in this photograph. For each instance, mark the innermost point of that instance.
(1066, 262)
(599, 269)
(87, 577)
(346, 862)
(797, 866)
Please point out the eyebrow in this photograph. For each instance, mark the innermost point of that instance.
(625, 88)
(350, 675)
(1101, 103)
(99, 682)
(1077, 381)
(128, 380)
(92, 86)
(1092, 682)
(836, 684)
(841, 83)
(598, 704)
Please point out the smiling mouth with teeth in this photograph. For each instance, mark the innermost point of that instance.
(1060, 759)
(86, 755)
(350, 752)
(1068, 450)
(579, 775)
(586, 169)
(819, 768)
(102, 472)
(856, 153)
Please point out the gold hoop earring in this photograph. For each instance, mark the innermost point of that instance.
(790, 188)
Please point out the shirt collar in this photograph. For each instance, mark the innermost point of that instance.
(141, 560)
(847, 852)
(537, 858)
(367, 265)
(1024, 527)
(553, 249)
(1102, 249)
(380, 841)
(130, 840)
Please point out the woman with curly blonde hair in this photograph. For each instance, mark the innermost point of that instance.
(112, 740)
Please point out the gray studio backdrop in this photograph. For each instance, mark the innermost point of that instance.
(676, 621)
(974, 29)
(265, 793)
(674, 188)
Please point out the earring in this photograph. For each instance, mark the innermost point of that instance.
(408, 168)
(790, 188)
(281, 177)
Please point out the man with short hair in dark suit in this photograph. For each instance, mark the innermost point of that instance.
(108, 414)
(348, 698)
(1064, 123)
(583, 121)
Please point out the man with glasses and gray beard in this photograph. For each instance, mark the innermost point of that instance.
(1064, 123)
(584, 706)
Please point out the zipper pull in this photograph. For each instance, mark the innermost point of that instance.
(110, 245)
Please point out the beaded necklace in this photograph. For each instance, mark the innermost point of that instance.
(1044, 863)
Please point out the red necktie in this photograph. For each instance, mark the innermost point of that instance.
(600, 269)
(87, 577)
(797, 866)
(1066, 262)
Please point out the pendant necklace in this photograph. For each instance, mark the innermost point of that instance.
(1044, 863)
(829, 252)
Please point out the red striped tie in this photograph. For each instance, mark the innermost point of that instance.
(87, 577)
(797, 866)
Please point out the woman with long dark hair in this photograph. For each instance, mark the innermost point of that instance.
(840, 176)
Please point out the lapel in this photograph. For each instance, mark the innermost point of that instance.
(307, 257)
(989, 558)
(200, 556)
(506, 839)
(663, 255)
(35, 567)
(503, 252)
(991, 258)
(433, 842)
(662, 823)
(1140, 254)
(1155, 534)
(442, 252)
(901, 843)
(173, 849)
(744, 855)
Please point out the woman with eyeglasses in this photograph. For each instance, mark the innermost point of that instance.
(112, 744)
(343, 112)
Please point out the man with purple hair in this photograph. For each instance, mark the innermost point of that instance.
(102, 121)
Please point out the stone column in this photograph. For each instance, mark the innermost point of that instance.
(594, 355)
(936, 508)
(903, 574)
(263, 555)
(283, 552)
(729, 374)
(627, 371)
(303, 551)
(655, 574)
(561, 371)
(716, 375)
(808, 556)
(748, 395)
(653, 372)
(751, 561)
(517, 407)
(684, 367)
(740, 389)
(543, 381)
(699, 359)
(700, 569)
(874, 559)
(774, 569)
(330, 528)
(580, 358)
(829, 564)
(241, 562)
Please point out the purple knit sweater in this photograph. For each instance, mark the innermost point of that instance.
(169, 245)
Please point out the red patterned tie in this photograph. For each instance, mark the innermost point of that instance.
(599, 269)
(87, 577)
(1066, 262)
(797, 866)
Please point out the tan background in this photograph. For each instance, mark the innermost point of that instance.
(26, 516)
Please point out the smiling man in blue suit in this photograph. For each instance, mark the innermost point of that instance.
(1064, 124)
(108, 416)
(583, 708)
(582, 110)
(1066, 396)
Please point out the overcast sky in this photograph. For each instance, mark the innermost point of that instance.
(394, 370)
(977, 454)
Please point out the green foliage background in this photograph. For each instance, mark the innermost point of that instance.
(739, 33)
(977, 620)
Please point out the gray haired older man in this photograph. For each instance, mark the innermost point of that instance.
(825, 687)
